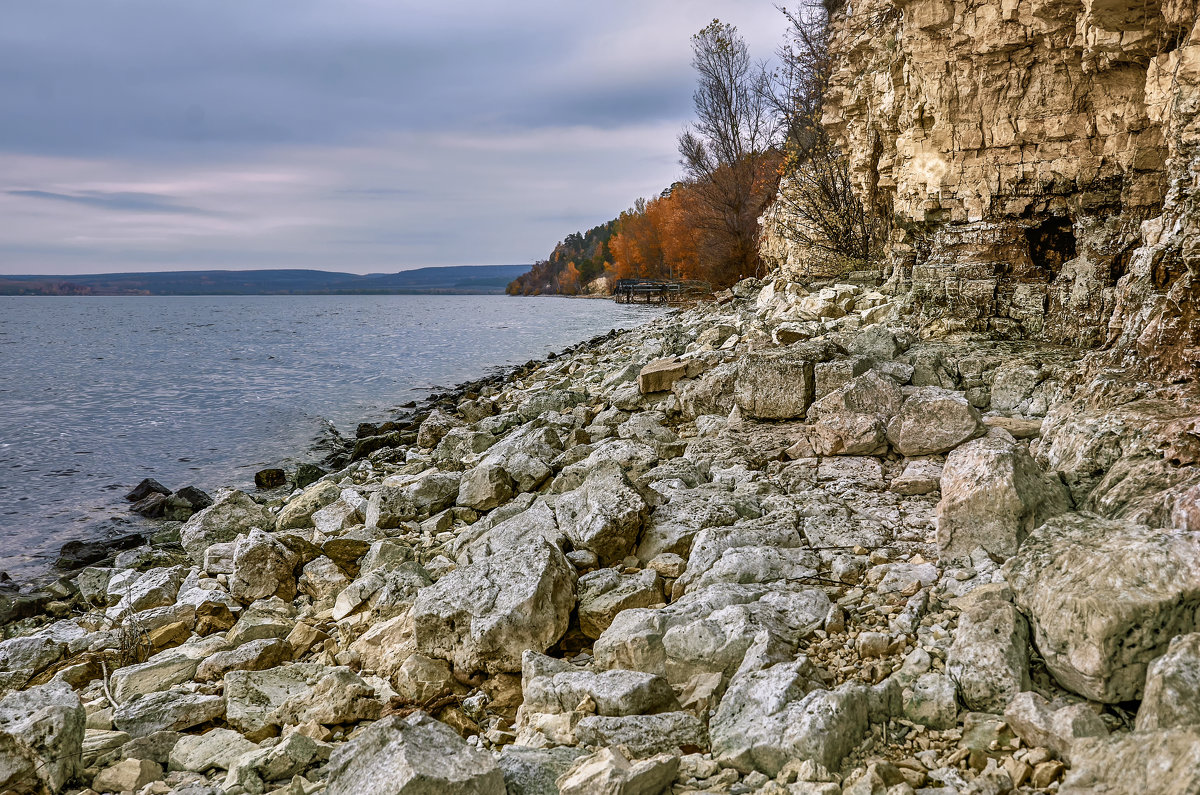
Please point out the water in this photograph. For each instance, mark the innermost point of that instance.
(98, 393)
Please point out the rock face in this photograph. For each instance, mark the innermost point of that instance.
(412, 756)
(993, 495)
(41, 736)
(1105, 599)
(483, 616)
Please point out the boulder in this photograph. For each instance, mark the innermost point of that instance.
(434, 427)
(295, 694)
(773, 385)
(993, 496)
(782, 712)
(416, 755)
(321, 579)
(23, 658)
(660, 375)
(990, 655)
(171, 710)
(554, 687)
(608, 772)
(920, 476)
(485, 486)
(1055, 725)
(604, 593)
(532, 771)
(200, 753)
(852, 420)
(41, 739)
(933, 420)
(422, 679)
(645, 735)
(484, 615)
(392, 506)
(231, 515)
(128, 775)
(299, 511)
(709, 630)
(256, 655)
(604, 515)
(1105, 598)
(1165, 761)
(262, 568)
(1172, 695)
(163, 670)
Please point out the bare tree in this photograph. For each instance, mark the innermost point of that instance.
(727, 153)
(817, 205)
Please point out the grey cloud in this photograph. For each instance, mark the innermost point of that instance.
(127, 201)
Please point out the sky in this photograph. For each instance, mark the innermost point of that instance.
(352, 135)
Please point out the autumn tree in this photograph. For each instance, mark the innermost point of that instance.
(727, 152)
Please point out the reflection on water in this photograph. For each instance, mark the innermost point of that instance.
(98, 393)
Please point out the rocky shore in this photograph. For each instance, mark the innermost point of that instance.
(775, 544)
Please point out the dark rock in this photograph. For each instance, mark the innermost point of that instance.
(15, 606)
(306, 475)
(152, 506)
(271, 478)
(365, 446)
(194, 497)
(77, 554)
(146, 488)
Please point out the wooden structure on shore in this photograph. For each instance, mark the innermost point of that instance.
(657, 291)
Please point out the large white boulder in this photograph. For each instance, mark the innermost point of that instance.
(484, 615)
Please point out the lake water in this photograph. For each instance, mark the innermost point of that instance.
(98, 393)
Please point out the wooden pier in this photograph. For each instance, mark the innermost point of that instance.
(657, 291)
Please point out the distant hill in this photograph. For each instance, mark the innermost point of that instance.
(459, 279)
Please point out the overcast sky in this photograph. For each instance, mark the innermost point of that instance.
(355, 135)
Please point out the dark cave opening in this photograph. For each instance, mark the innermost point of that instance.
(1051, 243)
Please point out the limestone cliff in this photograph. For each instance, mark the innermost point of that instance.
(1036, 161)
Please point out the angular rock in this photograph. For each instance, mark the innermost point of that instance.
(163, 670)
(392, 506)
(322, 580)
(660, 375)
(773, 386)
(1166, 761)
(1172, 695)
(933, 420)
(422, 679)
(22, 658)
(604, 593)
(1052, 725)
(484, 615)
(231, 515)
(200, 753)
(852, 420)
(709, 630)
(532, 771)
(920, 476)
(128, 775)
(551, 686)
(1105, 599)
(608, 772)
(171, 710)
(41, 739)
(256, 655)
(993, 496)
(645, 735)
(416, 755)
(262, 568)
(299, 512)
(435, 426)
(770, 716)
(604, 515)
(990, 655)
(932, 701)
(485, 486)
